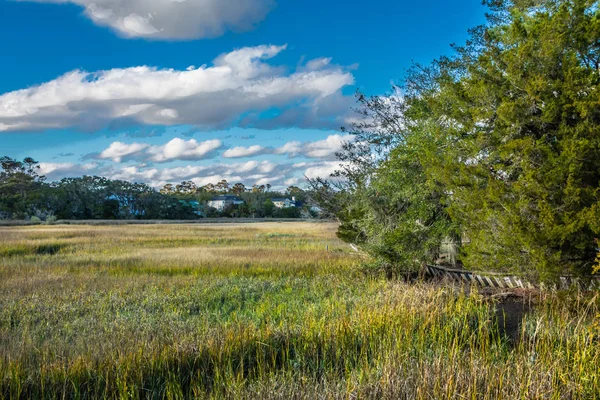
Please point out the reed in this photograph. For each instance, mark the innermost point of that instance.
(271, 311)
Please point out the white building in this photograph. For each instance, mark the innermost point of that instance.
(284, 202)
(222, 202)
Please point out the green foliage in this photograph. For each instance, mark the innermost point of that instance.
(495, 149)
(268, 207)
(516, 117)
(24, 195)
(20, 186)
(386, 203)
(263, 311)
(289, 212)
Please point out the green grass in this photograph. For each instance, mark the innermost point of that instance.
(263, 311)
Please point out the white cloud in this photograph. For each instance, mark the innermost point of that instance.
(249, 172)
(173, 19)
(179, 149)
(175, 149)
(322, 170)
(318, 63)
(325, 149)
(240, 151)
(136, 25)
(239, 83)
(279, 175)
(61, 170)
(320, 149)
(118, 150)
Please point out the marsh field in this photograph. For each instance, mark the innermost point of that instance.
(261, 311)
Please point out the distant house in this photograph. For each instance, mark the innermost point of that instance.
(312, 211)
(282, 202)
(194, 205)
(222, 202)
(125, 205)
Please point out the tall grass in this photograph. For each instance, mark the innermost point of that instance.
(264, 311)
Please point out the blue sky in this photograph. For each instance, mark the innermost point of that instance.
(169, 90)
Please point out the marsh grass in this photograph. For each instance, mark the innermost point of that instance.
(263, 311)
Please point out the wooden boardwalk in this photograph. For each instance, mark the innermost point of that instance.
(499, 280)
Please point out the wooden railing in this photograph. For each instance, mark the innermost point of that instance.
(500, 280)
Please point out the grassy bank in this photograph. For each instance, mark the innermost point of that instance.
(94, 222)
(267, 310)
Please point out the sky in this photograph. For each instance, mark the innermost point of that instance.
(162, 91)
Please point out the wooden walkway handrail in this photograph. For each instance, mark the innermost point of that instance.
(500, 280)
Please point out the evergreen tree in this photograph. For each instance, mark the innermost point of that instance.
(513, 121)
(499, 143)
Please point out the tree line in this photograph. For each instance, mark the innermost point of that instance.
(25, 195)
(489, 158)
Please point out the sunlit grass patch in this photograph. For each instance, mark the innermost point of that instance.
(26, 249)
(261, 311)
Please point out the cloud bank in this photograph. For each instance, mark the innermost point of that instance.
(180, 149)
(173, 19)
(175, 149)
(324, 149)
(147, 158)
(239, 89)
(251, 172)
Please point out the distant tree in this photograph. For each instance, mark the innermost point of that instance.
(515, 120)
(244, 210)
(269, 207)
(230, 211)
(211, 212)
(258, 189)
(20, 186)
(293, 191)
(127, 195)
(222, 187)
(186, 187)
(82, 198)
(210, 188)
(168, 189)
(110, 209)
(289, 212)
(238, 189)
(497, 144)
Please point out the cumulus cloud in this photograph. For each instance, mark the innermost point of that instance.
(249, 172)
(55, 171)
(324, 149)
(173, 19)
(321, 170)
(240, 151)
(330, 112)
(317, 63)
(320, 149)
(179, 149)
(175, 149)
(280, 175)
(118, 150)
(239, 83)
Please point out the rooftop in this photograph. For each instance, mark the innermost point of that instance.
(225, 197)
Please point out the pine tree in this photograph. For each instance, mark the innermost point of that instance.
(516, 119)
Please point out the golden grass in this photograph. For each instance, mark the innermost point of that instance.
(269, 310)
